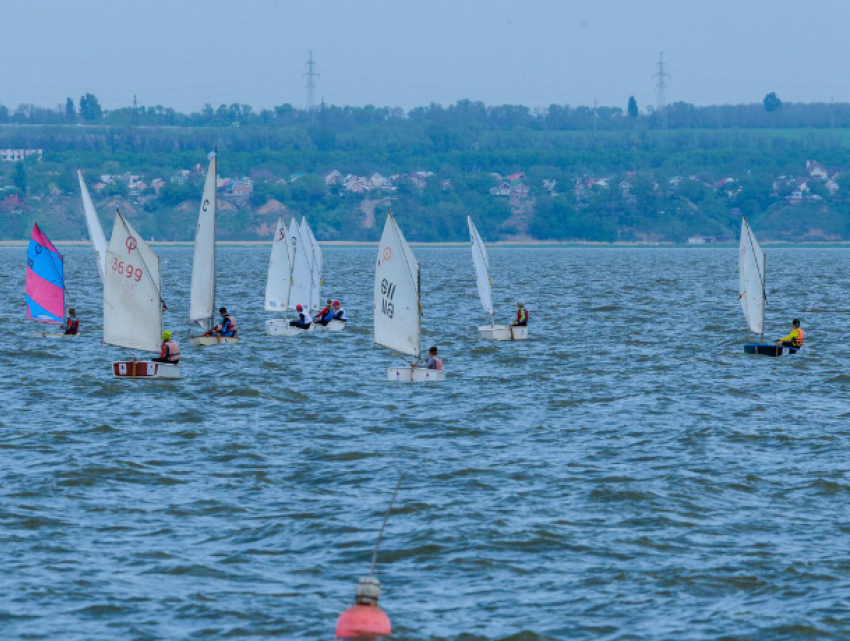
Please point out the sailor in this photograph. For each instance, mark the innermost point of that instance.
(795, 338)
(433, 362)
(326, 315)
(170, 350)
(339, 312)
(227, 328)
(303, 321)
(522, 316)
(72, 325)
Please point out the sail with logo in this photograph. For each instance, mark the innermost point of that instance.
(98, 239)
(202, 291)
(752, 292)
(481, 263)
(279, 282)
(397, 305)
(45, 283)
(132, 303)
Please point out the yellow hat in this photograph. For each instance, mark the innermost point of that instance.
(166, 335)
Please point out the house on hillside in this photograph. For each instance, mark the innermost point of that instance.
(816, 170)
(332, 177)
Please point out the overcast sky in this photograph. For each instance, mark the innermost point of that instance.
(184, 53)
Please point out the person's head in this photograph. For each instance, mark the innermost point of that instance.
(432, 351)
(299, 308)
(519, 304)
(336, 303)
(166, 335)
(72, 312)
(222, 311)
(796, 322)
(328, 302)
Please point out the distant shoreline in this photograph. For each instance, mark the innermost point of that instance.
(498, 243)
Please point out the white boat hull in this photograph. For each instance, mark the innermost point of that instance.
(503, 333)
(333, 326)
(415, 375)
(54, 335)
(144, 369)
(281, 327)
(203, 341)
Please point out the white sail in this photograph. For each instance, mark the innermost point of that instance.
(280, 271)
(98, 240)
(318, 259)
(751, 279)
(300, 255)
(132, 300)
(202, 292)
(482, 268)
(397, 308)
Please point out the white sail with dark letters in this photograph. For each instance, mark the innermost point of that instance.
(397, 306)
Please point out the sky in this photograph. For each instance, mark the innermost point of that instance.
(400, 53)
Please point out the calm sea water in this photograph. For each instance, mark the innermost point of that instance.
(627, 474)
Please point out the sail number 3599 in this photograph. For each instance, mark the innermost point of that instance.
(387, 291)
(126, 270)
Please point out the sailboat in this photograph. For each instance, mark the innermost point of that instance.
(279, 282)
(316, 264)
(398, 308)
(752, 293)
(98, 240)
(45, 285)
(202, 292)
(132, 303)
(485, 291)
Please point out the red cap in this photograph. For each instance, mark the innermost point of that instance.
(299, 308)
(336, 302)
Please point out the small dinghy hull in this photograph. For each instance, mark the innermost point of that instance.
(281, 327)
(333, 326)
(53, 335)
(203, 341)
(767, 349)
(144, 369)
(503, 333)
(415, 375)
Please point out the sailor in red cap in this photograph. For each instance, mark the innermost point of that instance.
(304, 320)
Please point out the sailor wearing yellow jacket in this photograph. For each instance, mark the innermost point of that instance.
(795, 338)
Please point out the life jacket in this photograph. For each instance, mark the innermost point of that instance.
(73, 325)
(321, 315)
(173, 351)
(340, 315)
(801, 336)
(522, 315)
(439, 362)
(233, 325)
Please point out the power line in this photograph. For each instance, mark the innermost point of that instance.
(311, 77)
(661, 89)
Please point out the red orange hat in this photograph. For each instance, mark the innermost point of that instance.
(299, 308)
(336, 302)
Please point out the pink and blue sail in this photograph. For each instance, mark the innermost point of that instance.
(45, 280)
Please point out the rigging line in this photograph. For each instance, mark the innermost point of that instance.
(383, 525)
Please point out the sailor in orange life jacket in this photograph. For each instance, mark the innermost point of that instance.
(521, 316)
(795, 338)
(433, 362)
(72, 325)
(170, 350)
(226, 328)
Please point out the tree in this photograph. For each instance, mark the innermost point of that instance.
(772, 102)
(70, 112)
(90, 108)
(633, 108)
(19, 179)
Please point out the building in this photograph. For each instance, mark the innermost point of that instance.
(16, 155)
